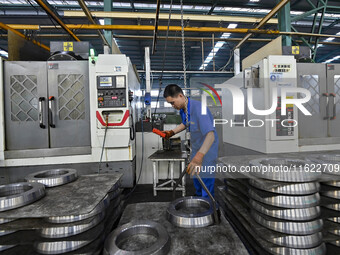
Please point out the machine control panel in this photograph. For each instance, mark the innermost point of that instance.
(111, 91)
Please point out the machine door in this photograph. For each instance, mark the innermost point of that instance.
(69, 117)
(333, 83)
(313, 78)
(25, 87)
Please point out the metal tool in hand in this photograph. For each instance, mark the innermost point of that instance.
(213, 201)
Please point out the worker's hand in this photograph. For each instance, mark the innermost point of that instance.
(195, 164)
(168, 134)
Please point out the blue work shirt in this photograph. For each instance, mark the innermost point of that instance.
(200, 126)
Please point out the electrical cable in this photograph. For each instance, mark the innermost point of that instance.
(141, 163)
(132, 129)
(229, 60)
(101, 156)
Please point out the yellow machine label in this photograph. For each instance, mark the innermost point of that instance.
(290, 105)
(296, 50)
(68, 46)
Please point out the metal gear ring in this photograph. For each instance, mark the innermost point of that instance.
(53, 177)
(160, 247)
(191, 220)
(19, 194)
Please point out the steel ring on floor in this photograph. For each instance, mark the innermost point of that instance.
(53, 177)
(177, 215)
(19, 194)
(160, 247)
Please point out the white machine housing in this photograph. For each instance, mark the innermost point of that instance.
(113, 101)
(119, 147)
(270, 77)
(274, 73)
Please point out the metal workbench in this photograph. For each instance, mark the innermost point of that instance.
(171, 157)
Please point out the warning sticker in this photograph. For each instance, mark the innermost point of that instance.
(68, 46)
(281, 68)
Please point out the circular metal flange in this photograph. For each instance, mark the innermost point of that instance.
(160, 247)
(102, 205)
(298, 242)
(188, 219)
(71, 230)
(6, 220)
(335, 243)
(328, 162)
(334, 207)
(331, 193)
(334, 219)
(319, 250)
(285, 170)
(334, 231)
(288, 227)
(295, 214)
(60, 246)
(53, 177)
(7, 232)
(285, 201)
(6, 247)
(304, 188)
(332, 183)
(19, 194)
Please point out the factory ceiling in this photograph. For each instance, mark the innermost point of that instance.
(204, 49)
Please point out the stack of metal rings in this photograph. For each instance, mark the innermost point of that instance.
(285, 199)
(14, 196)
(330, 197)
(75, 233)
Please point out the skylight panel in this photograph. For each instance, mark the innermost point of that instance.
(3, 53)
(332, 59)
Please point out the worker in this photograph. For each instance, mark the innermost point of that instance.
(204, 139)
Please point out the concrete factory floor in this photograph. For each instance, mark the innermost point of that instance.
(216, 239)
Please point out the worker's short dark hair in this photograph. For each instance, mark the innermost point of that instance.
(172, 90)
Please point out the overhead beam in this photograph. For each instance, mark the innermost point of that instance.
(165, 16)
(90, 18)
(277, 8)
(5, 27)
(199, 39)
(171, 28)
(56, 18)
